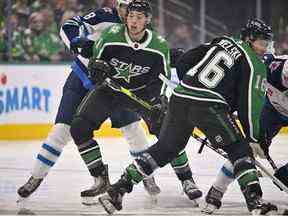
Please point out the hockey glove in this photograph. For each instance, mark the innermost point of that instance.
(160, 106)
(85, 45)
(98, 70)
(282, 174)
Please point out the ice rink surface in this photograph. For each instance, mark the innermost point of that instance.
(59, 194)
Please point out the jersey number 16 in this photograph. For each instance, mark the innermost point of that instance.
(212, 73)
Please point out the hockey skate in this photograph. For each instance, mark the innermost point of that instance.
(192, 191)
(29, 187)
(213, 201)
(112, 200)
(255, 204)
(100, 186)
(151, 187)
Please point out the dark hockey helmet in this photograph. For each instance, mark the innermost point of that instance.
(141, 6)
(256, 29)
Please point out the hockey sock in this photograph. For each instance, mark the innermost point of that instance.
(51, 150)
(91, 155)
(181, 166)
(142, 167)
(135, 136)
(247, 178)
(225, 177)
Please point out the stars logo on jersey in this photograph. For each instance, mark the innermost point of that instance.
(124, 72)
(127, 70)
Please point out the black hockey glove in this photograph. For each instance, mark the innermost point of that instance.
(160, 106)
(98, 70)
(85, 44)
(282, 174)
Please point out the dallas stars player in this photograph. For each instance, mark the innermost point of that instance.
(133, 56)
(268, 121)
(74, 34)
(219, 78)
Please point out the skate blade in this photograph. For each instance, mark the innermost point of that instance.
(89, 201)
(107, 205)
(153, 199)
(22, 203)
(25, 211)
(194, 203)
(258, 212)
(209, 209)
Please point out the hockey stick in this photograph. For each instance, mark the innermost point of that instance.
(257, 163)
(271, 162)
(115, 86)
(172, 86)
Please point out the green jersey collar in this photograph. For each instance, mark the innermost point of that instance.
(136, 45)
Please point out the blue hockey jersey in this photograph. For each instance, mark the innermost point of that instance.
(90, 25)
(277, 82)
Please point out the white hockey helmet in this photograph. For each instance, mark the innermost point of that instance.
(124, 2)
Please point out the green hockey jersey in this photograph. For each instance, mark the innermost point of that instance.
(137, 64)
(226, 71)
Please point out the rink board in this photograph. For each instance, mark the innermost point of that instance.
(40, 131)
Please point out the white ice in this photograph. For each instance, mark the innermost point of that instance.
(60, 192)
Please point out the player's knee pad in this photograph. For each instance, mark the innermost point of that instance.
(135, 136)
(59, 136)
(245, 163)
(81, 130)
(146, 164)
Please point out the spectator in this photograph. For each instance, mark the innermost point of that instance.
(182, 37)
(282, 45)
(22, 10)
(40, 43)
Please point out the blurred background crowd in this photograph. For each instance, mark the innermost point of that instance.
(29, 29)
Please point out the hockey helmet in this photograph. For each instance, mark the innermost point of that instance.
(124, 2)
(256, 29)
(140, 6)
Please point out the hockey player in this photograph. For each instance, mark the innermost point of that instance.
(73, 33)
(220, 77)
(133, 56)
(273, 117)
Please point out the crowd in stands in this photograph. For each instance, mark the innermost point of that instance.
(34, 27)
(32, 31)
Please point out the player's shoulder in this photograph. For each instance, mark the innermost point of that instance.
(158, 42)
(114, 32)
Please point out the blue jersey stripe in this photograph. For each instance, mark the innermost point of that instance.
(81, 71)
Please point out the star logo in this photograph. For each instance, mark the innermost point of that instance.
(125, 72)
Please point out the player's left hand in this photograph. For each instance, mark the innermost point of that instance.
(80, 42)
(98, 70)
(160, 106)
